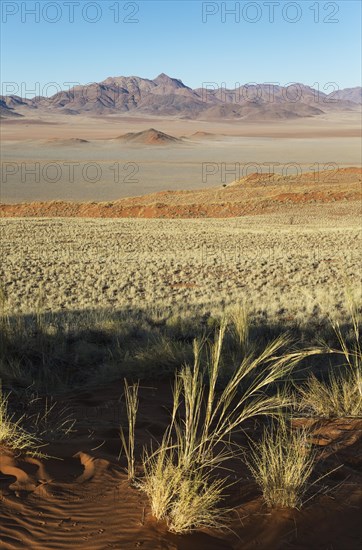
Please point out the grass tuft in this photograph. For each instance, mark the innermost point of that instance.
(186, 498)
(180, 475)
(128, 443)
(281, 464)
(341, 394)
(12, 435)
(338, 397)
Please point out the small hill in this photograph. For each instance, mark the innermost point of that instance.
(149, 137)
(203, 135)
(66, 141)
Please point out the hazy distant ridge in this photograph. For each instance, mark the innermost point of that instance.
(166, 96)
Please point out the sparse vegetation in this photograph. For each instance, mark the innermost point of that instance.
(128, 441)
(232, 354)
(205, 266)
(180, 475)
(340, 394)
(47, 420)
(12, 434)
(281, 464)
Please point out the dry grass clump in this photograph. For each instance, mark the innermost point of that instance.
(128, 443)
(281, 464)
(48, 420)
(12, 434)
(240, 326)
(187, 498)
(349, 344)
(160, 356)
(341, 394)
(180, 475)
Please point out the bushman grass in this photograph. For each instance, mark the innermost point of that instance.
(340, 394)
(281, 464)
(180, 475)
(12, 435)
(128, 443)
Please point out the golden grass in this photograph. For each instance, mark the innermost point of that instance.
(240, 326)
(350, 348)
(180, 475)
(339, 396)
(281, 464)
(128, 442)
(187, 499)
(12, 434)
(341, 393)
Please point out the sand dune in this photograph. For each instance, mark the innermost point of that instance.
(80, 498)
(201, 135)
(149, 137)
(66, 141)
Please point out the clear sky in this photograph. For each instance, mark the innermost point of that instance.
(263, 41)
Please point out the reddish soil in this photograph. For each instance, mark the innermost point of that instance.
(80, 498)
(254, 194)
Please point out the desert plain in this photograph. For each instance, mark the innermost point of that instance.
(83, 158)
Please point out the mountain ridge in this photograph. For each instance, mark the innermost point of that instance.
(168, 96)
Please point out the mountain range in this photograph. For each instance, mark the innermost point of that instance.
(166, 96)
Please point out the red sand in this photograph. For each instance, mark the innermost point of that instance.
(81, 498)
(254, 194)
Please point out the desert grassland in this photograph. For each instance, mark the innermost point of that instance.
(252, 318)
(284, 267)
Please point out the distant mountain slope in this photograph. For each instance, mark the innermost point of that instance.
(166, 96)
(6, 110)
(350, 94)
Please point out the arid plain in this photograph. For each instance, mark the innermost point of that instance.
(80, 158)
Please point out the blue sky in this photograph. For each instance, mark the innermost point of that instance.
(323, 44)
